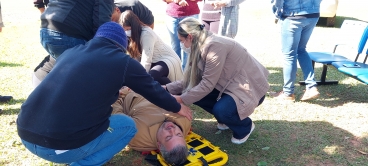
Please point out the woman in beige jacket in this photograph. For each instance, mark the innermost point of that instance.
(221, 77)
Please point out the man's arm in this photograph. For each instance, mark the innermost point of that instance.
(233, 2)
(226, 3)
(179, 2)
(117, 107)
(137, 79)
(40, 4)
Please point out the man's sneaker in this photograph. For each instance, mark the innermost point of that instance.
(5, 98)
(221, 126)
(283, 97)
(240, 141)
(310, 94)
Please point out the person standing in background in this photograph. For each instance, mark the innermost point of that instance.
(176, 11)
(229, 16)
(210, 16)
(41, 4)
(297, 20)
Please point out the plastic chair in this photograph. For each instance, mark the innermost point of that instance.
(355, 30)
(355, 68)
(363, 78)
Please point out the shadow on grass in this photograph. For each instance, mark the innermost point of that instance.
(11, 102)
(331, 95)
(5, 64)
(10, 111)
(289, 143)
(338, 21)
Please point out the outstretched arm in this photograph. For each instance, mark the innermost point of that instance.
(142, 83)
(226, 3)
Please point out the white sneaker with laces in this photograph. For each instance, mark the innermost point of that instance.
(240, 141)
(221, 126)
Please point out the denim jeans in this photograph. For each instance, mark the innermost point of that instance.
(295, 34)
(172, 24)
(96, 152)
(55, 42)
(226, 112)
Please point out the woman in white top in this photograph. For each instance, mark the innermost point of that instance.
(147, 47)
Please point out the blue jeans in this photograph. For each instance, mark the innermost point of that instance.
(172, 24)
(96, 152)
(295, 34)
(226, 112)
(55, 42)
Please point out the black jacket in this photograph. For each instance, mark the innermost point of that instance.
(79, 19)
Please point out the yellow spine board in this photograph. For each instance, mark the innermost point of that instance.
(200, 147)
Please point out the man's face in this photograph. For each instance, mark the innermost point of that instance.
(170, 135)
(116, 15)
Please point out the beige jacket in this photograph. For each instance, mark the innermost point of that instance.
(148, 118)
(228, 67)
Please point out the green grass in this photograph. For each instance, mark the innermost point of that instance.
(332, 130)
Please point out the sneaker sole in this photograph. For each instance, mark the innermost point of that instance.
(222, 128)
(311, 98)
(251, 130)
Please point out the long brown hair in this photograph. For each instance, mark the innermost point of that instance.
(128, 18)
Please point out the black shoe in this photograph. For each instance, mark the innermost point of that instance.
(5, 98)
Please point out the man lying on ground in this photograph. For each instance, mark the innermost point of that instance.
(156, 127)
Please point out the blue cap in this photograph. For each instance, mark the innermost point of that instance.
(113, 31)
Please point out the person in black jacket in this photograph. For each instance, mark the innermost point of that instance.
(139, 9)
(67, 118)
(68, 23)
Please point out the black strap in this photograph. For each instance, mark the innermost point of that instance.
(203, 161)
(152, 159)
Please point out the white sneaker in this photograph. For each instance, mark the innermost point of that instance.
(221, 126)
(310, 94)
(240, 141)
